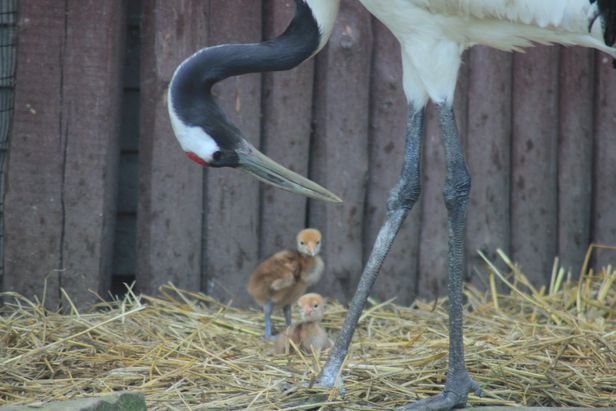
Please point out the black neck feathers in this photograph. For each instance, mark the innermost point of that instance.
(607, 11)
(190, 88)
(212, 64)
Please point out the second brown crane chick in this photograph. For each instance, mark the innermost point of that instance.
(307, 334)
(282, 278)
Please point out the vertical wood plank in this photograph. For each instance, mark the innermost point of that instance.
(433, 245)
(604, 188)
(489, 151)
(92, 95)
(33, 213)
(388, 112)
(575, 156)
(534, 161)
(232, 198)
(287, 112)
(169, 216)
(340, 147)
(61, 189)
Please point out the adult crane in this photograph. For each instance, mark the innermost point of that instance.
(432, 34)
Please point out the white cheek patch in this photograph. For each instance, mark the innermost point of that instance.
(192, 139)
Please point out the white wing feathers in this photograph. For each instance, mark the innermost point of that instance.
(565, 15)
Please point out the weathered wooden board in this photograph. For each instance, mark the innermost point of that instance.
(489, 150)
(33, 214)
(61, 176)
(434, 242)
(169, 219)
(92, 99)
(388, 113)
(534, 235)
(340, 147)
(604, 178)
(232, 198)
(287, 120)
(575, 156)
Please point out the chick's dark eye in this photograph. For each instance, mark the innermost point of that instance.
(301, 242)
(316, 306)
(318, 242)
(217, 155)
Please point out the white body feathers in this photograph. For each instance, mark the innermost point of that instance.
(434, 33)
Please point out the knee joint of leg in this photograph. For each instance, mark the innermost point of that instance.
(457, 189)
(404, 195)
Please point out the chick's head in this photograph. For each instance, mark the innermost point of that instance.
(311, 307)
(309, 241)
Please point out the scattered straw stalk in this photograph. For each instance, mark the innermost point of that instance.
(184, 350)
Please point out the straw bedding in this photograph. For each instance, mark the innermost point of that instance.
(183, 350)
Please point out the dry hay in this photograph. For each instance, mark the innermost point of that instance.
(552, 347)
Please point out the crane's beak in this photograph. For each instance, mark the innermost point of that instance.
(267, 170)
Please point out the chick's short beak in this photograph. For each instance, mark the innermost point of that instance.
(267, 170)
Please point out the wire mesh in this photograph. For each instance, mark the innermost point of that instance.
(8, 40)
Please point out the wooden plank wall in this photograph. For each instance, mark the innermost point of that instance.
(231, 228)
(60, 194)
(169, 214)
(286, 132)
(92, 149)
(340, 146)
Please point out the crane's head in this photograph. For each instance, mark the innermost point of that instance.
(201, 127)
(309, 241)
(210, 140)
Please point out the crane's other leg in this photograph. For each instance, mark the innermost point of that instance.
(401, 199)
(267, 312)
(456, 191)
(287, 314)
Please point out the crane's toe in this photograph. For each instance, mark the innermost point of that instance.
(454, 396)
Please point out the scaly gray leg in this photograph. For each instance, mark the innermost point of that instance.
(267, 310)
(401, 199)
(287, 314)
(456, 191)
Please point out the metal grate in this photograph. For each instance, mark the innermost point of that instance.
(8, 40)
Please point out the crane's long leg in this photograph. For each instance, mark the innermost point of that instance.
(401, 199)
(456, 191)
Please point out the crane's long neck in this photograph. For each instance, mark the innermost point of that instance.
(305, 35)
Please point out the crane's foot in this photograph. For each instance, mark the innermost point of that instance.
(288, 387)
(453, 396)
(337, 383)
(325, 380)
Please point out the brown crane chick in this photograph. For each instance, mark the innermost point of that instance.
(308, 334)
(282, 278)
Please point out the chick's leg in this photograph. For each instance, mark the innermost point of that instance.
(287, 314)
(267, 311)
